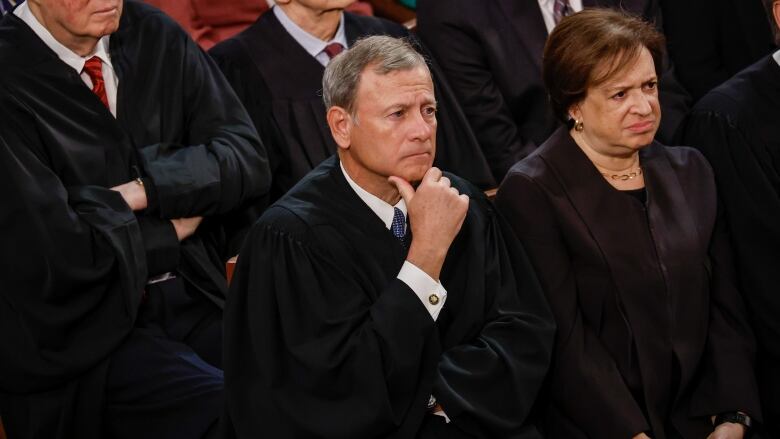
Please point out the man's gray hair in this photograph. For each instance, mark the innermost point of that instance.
(384, 54)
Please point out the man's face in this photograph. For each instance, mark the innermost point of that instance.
(395, 130)
(78, 20)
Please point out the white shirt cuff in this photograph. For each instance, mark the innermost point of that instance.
(431, 293)
(443, 415)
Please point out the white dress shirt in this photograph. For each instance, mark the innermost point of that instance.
(71, 58)
(313, 45)
(419, 281)
(776, 56)
(548, 7)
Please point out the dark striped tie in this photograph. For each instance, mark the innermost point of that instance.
(7, 5)
(561, 9)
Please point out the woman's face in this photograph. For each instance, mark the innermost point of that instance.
(621, 115)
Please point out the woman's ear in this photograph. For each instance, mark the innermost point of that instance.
(575, 113)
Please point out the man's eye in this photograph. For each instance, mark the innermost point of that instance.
(397, 114)
(429, 111)
(619, 95)
(651, 85)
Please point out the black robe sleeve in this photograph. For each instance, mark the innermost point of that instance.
(727, 382)
(582, 365)
(308, 354)
(223, 165)
(488, 384)
(72, 275)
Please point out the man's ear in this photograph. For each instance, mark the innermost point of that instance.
(340, 123)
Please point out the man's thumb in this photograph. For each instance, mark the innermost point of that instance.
(404, 188)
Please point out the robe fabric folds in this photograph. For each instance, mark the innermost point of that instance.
(652, 332)
(735, 126)
(281, 86)
(76, 259)
(323, 341)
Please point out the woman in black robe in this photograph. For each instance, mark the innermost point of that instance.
(625, 236)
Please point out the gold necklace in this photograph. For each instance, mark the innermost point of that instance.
(630, 175)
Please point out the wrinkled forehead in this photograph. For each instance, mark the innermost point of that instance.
(375, 85)
(634, 64)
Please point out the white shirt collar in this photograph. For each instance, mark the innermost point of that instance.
(383, 210)
(67, 56)
(313, 45)
(776, 56)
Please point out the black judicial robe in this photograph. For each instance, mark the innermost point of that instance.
(75, 258)
(281, 86)
(712, 40)
(652, 331)
(491, 54)
(736, 127)
(323, 341)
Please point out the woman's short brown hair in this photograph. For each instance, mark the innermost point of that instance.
(588, 48)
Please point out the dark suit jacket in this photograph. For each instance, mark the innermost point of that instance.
(712, 40)
(735, 126)
(649, 321)
(491, 52)
(280, 84)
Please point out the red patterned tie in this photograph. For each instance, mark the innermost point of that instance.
(94, 69)
(333, 49)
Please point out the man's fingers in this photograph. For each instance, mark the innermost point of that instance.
(445, 181)
(404, 188)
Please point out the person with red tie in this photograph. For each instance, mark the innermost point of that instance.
(131, 171)
(276, 67)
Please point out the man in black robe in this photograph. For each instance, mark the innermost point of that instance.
(736, 127)
(129, 168)
(345, 321)
(491, 54)
(712, 40)
(276, 66)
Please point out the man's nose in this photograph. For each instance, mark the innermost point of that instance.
(422, 128)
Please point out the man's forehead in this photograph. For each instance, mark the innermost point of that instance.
(396, 81)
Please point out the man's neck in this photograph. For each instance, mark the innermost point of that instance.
(81, 45)
(322, 24)
(371, 183)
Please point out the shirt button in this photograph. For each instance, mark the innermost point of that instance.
(433, 299)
